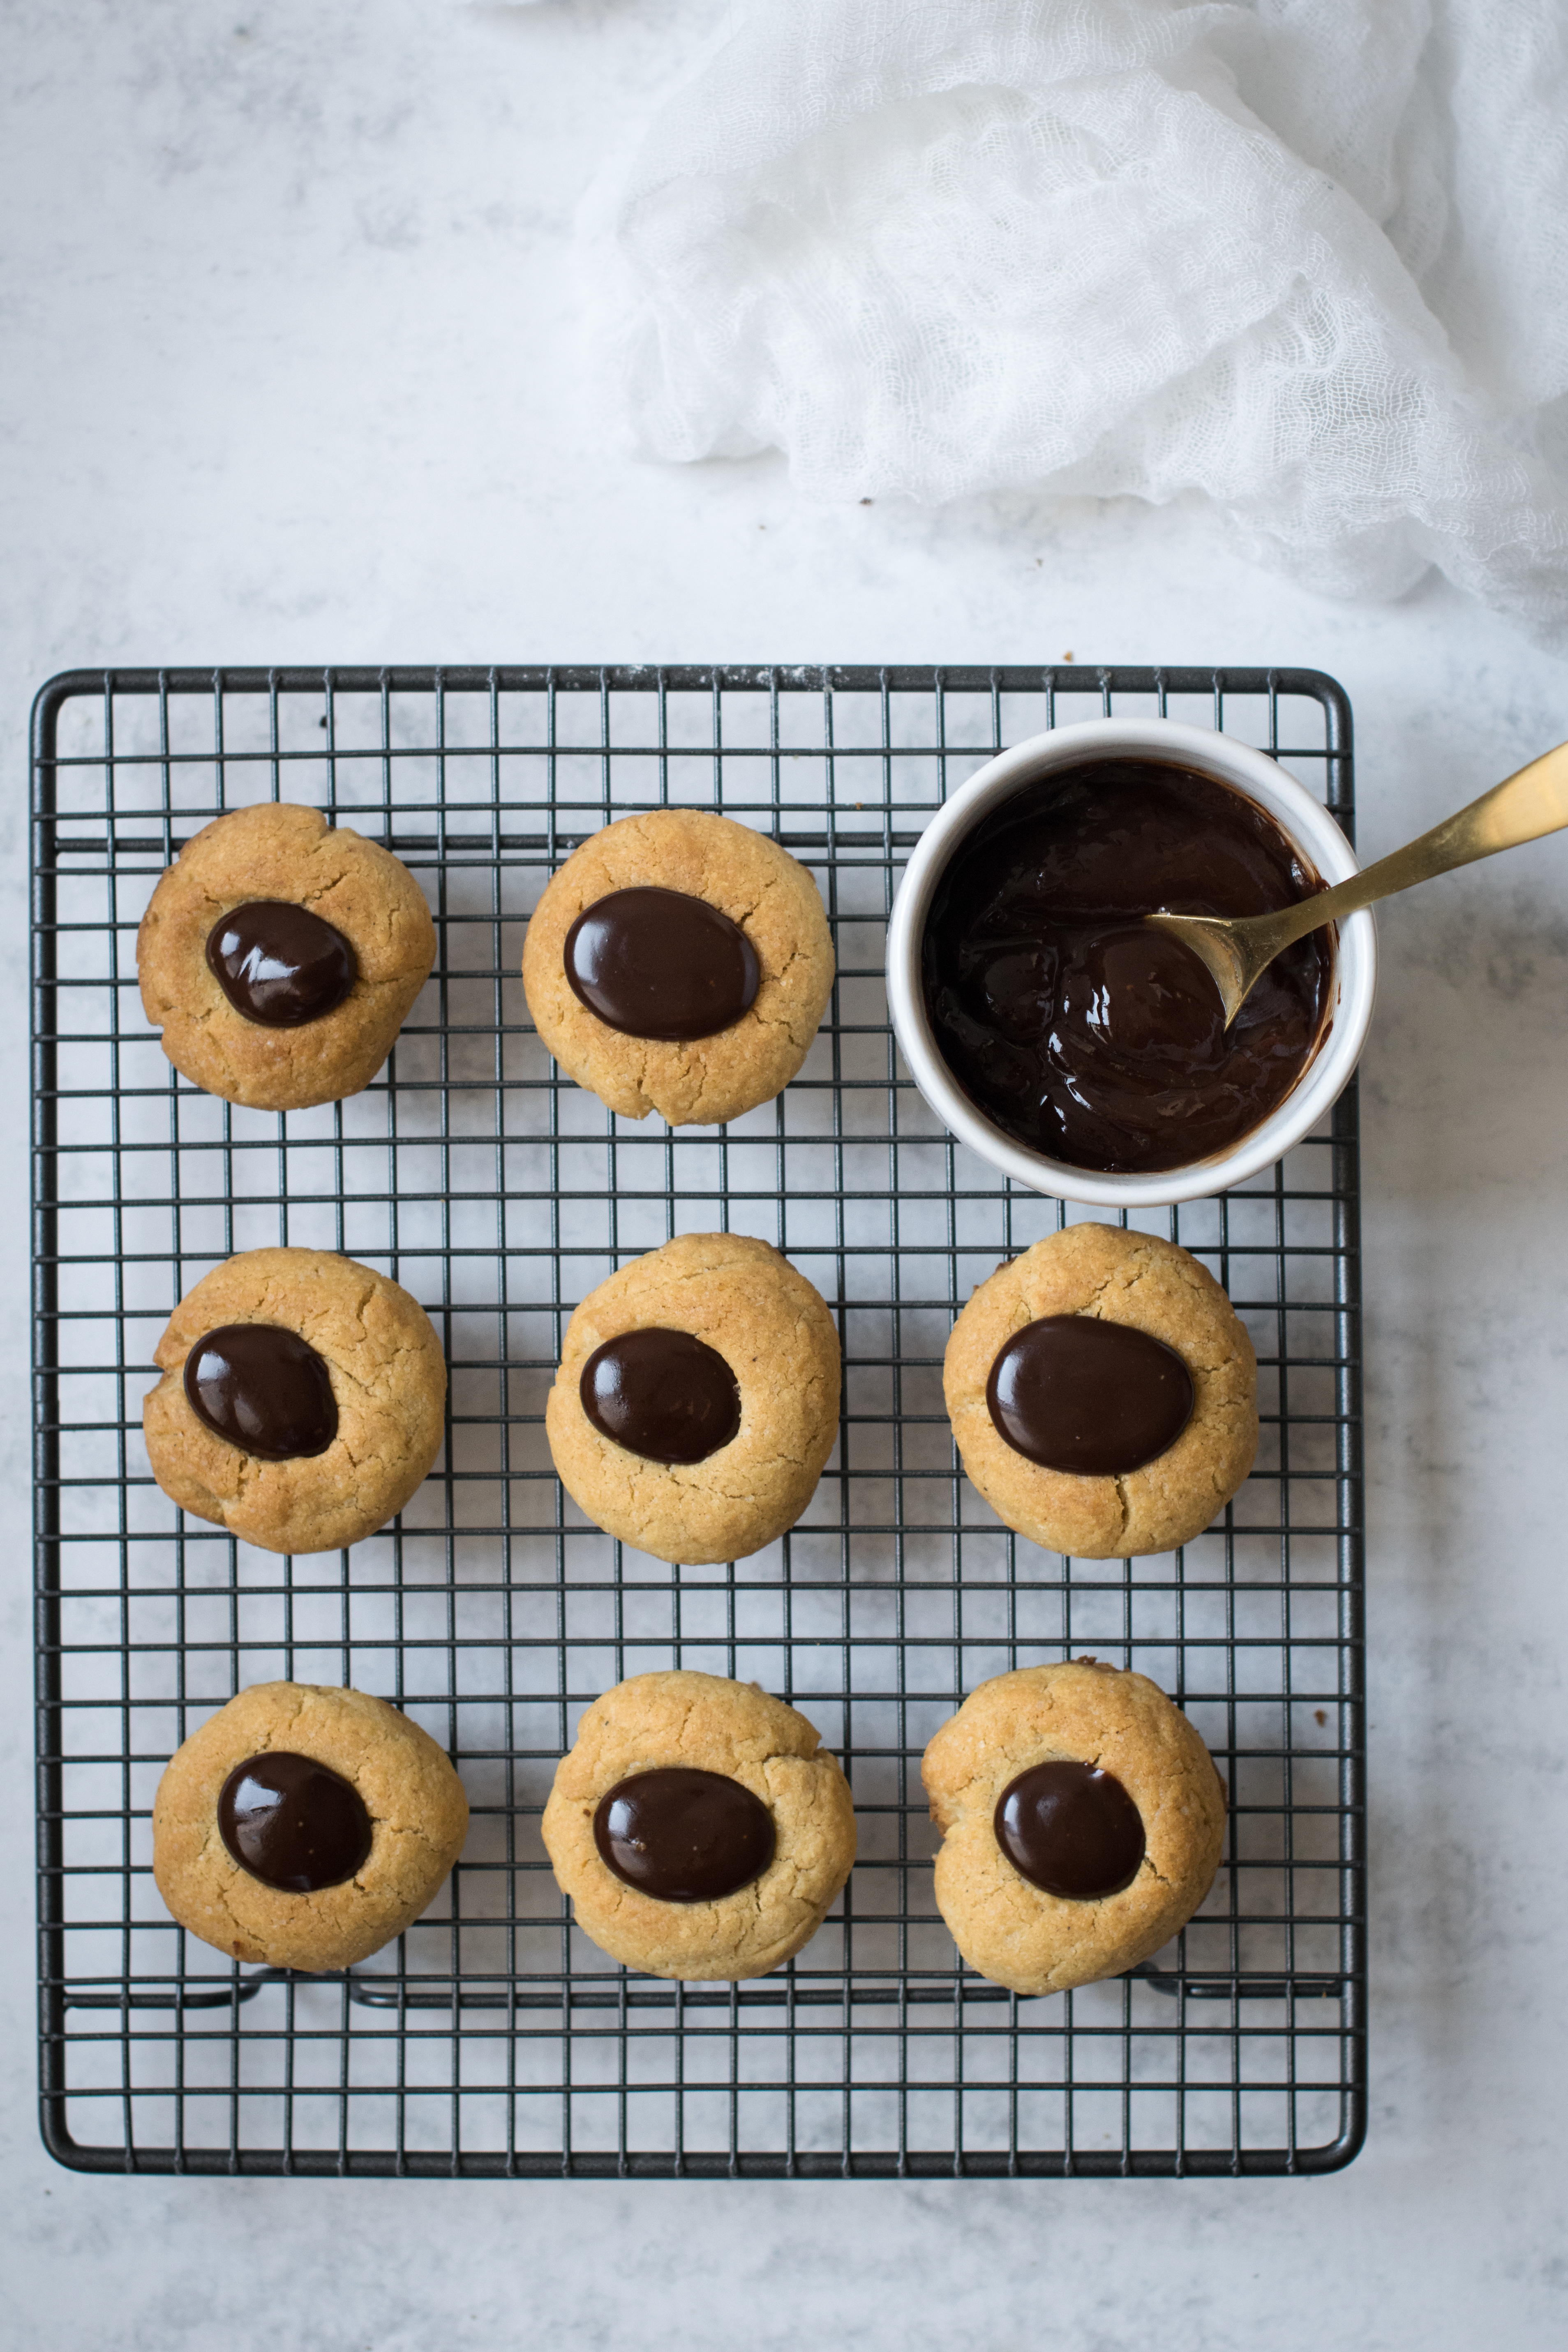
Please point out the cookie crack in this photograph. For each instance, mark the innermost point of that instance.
(321, 888)
(1138, 1259)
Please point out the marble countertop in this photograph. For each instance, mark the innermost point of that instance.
(292, 374)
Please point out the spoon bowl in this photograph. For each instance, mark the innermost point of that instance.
(1238, 950)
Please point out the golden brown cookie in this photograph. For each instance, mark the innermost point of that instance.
(366, 1418)
(1138, 1280)
(1073, 1716)
(704, 1080)
(671, 1829)
(747, 1305)
(275, 853)
(395, 1830)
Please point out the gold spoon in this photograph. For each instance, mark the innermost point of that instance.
(1237, 951)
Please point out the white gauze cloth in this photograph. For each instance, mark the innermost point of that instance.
(1309, 258)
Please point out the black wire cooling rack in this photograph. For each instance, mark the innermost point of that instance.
(493, 2038)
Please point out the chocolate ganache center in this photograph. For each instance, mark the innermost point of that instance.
(263, 1388)
(661, 964)
(1098, 1398)
(293, 1824)
(1083, 1032)
(279, 964)
(1070, 1829)
(684, 1836)
(666, 1395)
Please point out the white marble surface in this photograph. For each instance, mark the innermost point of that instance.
(291, 373)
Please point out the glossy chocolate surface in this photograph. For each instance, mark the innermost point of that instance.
(684, 1836)
(658, 963)
(666, 1395)
(1070, 1829)
(264, 1389)
(279, 964)
(1084, 1032)
(1072, 1393)
(293, 1824)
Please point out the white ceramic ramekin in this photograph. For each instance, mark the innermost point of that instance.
(1302, 818)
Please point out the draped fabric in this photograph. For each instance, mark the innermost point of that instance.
(1306, 257)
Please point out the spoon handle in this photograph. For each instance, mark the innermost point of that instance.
(1524, 806)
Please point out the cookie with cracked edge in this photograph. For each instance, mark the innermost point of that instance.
(388, 1380)
(1152, 1285)
(1013, 1931)
(744, 1300)
(707, 1724)
(418, 1819)
(277, 851)
(764, 890)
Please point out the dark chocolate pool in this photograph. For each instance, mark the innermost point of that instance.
(1084, 1032)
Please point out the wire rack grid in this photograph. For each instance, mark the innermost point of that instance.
(493, 2039)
